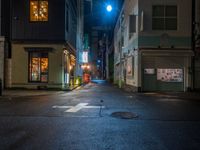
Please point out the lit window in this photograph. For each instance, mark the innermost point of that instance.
(164, 17)
(38, 10)
(38, 67)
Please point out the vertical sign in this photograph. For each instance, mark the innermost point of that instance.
(85, 57)
(86, 41)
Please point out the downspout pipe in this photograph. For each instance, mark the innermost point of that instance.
(193, 43)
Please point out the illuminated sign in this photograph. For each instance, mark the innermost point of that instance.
(85, 57)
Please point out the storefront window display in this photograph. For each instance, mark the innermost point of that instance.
(38, 67)
(38, 10)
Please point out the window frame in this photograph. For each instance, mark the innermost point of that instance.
(164, 17)
(38, 21)
(30, 65)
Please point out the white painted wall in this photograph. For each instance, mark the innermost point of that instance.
(136, 7)
(184, 17)
(19, 71)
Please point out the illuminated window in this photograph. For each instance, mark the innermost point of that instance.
(38, 67)
(38, 10)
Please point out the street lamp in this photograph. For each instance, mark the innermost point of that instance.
(109, 8)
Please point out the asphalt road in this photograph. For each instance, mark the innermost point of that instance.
(71, 121)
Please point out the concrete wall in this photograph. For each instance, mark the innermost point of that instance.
(178, 38)
(133, 80)
(2, 59)
(79, 37)
(197, 61)
(184, 17)
(0, 18)
(19, 73)
(130, 40)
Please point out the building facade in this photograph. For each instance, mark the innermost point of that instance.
(80, 37)
(43, 43)
(197, 45)
(2, 51)
(152, 44)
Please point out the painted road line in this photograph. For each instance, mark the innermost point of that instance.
(94, 106)
(62, 106)
(77, 107)
(73, 109)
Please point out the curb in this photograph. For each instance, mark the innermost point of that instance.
(3, 97)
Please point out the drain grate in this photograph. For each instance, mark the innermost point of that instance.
(124, 115)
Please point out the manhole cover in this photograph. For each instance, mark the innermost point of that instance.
(124, 115)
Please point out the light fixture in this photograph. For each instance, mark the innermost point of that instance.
(109, 8)
(88, 67)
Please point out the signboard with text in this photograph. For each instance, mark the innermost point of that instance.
(85, 57)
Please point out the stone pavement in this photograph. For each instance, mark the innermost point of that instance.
(24, 93)
(164, 122)
(175, 95)
(171, 95)
(9, 93)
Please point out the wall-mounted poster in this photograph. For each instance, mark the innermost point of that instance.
(170, 75)
(149, 71)
(129, 67)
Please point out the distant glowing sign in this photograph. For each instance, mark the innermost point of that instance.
(85, 57)
(66, 78)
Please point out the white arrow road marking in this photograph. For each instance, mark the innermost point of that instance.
(78, 107)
